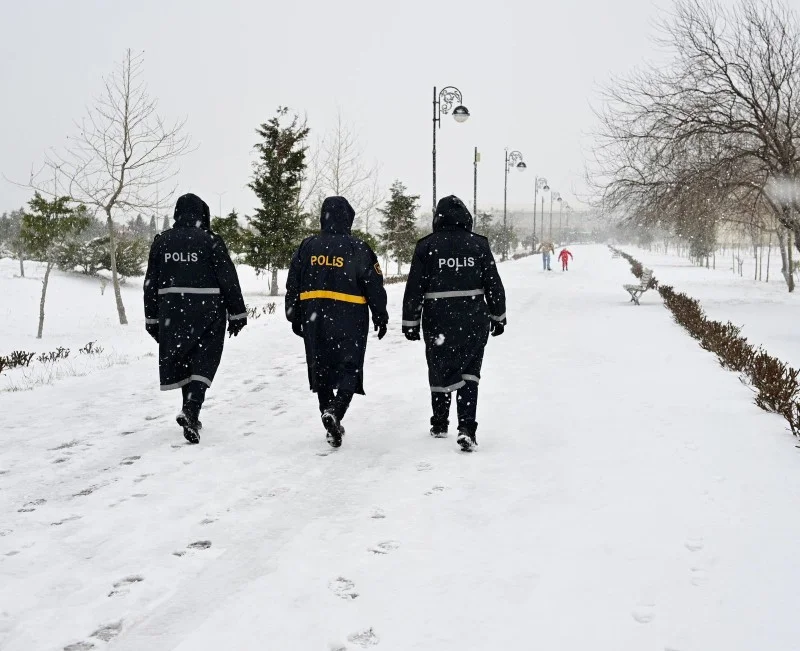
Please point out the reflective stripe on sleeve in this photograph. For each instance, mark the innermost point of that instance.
(235, 317)
(189, 290)
(183, 383)
(410, 324)
(455, 294)
(472, 378)
(497, 318)
(334, 296)
(151, 321)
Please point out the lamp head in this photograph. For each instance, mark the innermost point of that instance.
(461, 113)
(521, 166)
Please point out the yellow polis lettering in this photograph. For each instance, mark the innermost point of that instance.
(327, 261)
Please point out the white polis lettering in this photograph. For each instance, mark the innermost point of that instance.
(456, 263)
(180, 257)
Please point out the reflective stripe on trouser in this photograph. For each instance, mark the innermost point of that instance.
(411, 324)
(191, 378)
(189, 290)
(453, 387)
(334, 296)
(236, 317)
(466, 403)
(454, 294)
(497, 318)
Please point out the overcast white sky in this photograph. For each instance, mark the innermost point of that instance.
(528, 71)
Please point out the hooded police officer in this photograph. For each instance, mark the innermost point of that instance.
(334, 281)
(455, 293)
(190, 288)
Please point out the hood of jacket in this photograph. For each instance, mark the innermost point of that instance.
(191, 210)
(336, 216)
(451, 214)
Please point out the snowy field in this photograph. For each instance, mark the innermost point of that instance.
(766, 312)
(627, 494)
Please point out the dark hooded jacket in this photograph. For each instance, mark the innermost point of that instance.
(190, 287)
(334, 281)
(453, 291)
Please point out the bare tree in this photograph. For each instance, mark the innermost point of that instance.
(338, 167)
(713, 136)
(121, 153)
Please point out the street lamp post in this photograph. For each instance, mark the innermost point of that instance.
(219, 196)
(563, 206)
(540, 183)
(442, 103)
(553, 195)
(512, 158)
(475, 162)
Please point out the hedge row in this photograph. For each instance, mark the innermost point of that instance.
(777, 385)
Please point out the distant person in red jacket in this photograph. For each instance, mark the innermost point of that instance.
(564, 256)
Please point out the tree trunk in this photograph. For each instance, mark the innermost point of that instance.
(273, 286)
(44, 295)
(21, 266)
(790, 274)
(769, 253)
(112, 243)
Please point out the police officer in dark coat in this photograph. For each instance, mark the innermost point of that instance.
(455, 293)
(191, 287)
(334, 281)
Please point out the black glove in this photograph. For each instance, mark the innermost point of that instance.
(411, 333)
(497, 328)
(297, 327)
(235, 326)
(381, 330)
(152, 330)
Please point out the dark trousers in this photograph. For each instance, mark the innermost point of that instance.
(466, 404)
(339, 401)
(194, 394)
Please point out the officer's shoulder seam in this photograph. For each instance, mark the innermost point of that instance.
(421, 240)
(483, 237)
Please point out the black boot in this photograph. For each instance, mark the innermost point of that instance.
(188, 419)
(333, 427)
(439, 428)
(466, 436)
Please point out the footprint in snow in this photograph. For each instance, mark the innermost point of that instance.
(384, 547)
(439, 488)
(694, 544)
(127, 433)
(65, 446)
(343, 588)
(129, 461)
(364, 639)
(139, 495)
(122, 586)
(3, 472)
(79, 646)
(61, 460)
(29, 507)
(644, 613)
(86, 491)
(5, 532)
(258, 387)
(200, 544)
(68, 519)
(141, 478)
(152, 417)
(422, 466)
(699, 576)
(108, 632)
(249, 433)
(208, 521)
(378, 514)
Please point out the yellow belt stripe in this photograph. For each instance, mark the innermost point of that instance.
(336, 296)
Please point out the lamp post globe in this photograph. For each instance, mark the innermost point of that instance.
(461, 113)
(521, 166)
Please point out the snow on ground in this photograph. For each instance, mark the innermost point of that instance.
(766, 312)
(626, 496)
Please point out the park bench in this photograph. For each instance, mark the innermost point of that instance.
(636, 291)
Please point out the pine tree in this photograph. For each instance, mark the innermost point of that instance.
(277, 226)
(45, 227)
(165, 224)
(231, 232)
(153, 227)
(399, 224)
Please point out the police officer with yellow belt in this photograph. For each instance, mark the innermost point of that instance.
(334, 282)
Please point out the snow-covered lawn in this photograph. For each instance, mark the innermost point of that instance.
(626, 496)
(766, 312)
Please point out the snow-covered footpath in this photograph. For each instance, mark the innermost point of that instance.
(626, 496)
